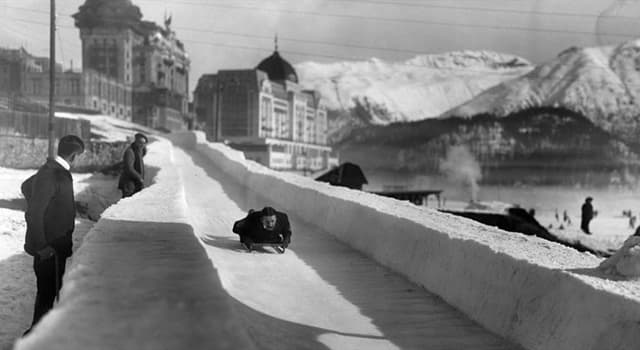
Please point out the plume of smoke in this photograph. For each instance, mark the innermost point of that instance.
(461, 166)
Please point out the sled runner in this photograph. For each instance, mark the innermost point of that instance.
(276, 246)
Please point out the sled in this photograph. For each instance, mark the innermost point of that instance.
(276, 246)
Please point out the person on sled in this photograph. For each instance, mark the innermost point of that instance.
(267, 226)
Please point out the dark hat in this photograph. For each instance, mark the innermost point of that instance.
(70, 144)
(141, 136)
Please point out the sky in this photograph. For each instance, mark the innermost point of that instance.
(232, 34)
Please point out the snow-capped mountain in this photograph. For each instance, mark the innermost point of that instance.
(379, 92)
(601, 83)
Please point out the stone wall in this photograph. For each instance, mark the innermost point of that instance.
(29, 153)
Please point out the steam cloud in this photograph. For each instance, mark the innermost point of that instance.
(461, 166)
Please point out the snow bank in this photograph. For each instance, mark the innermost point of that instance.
(536, 293)
(626, 261)
(142, 280)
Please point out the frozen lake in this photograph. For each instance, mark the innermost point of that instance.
(610, 228)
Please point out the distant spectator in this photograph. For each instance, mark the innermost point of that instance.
(132, 176)
(566, 218)
(50, 218)
(265, 226)
(557, 216)
(632, 221)
(587, 215)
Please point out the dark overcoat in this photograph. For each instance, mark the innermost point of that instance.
(51, 209)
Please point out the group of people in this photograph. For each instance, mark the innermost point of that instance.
(51, 213)
(587, 214)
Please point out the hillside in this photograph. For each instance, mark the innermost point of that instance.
(377, 92)
(574, 119)
(601, 83)
(534, 146)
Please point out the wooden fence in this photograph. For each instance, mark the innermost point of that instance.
(36, 125)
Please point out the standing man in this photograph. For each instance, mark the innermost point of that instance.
(50, 217)
(132, 177)
(587, 215)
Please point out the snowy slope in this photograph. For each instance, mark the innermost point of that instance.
(603, 83)
(419, 88)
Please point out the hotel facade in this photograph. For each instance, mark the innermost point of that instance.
(265, 113)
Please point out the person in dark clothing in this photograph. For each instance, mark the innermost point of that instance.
(587, 215)
(132, 176)
(265, 226)
(50, 218)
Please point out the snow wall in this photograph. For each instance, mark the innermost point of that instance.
(537, 293)
(142, 280)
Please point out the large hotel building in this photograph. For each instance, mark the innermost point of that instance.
(131, 69)
(265, 113)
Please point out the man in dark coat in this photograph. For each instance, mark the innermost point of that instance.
(132, 176)
(50, 218)
(587, 215)
(265, 226)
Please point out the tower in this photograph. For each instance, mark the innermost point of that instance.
(108, 37)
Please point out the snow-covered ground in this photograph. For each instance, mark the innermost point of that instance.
(521, 287)
(94, 193)
(318, 295)
(17, 290)
(141, 280)
(610, 228)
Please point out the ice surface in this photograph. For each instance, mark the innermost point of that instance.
(538, 293)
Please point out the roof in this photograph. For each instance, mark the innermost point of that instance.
(277, 68)
(347, 174)
(107, 12)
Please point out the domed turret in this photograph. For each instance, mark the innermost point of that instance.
(107, 12)
(277, 68)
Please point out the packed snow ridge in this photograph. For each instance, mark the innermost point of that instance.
(422, 87)
(602, 83)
